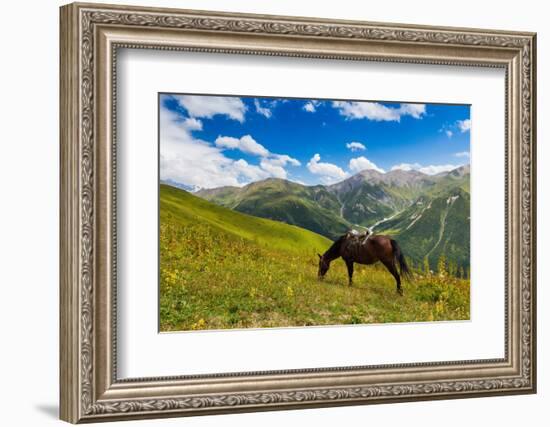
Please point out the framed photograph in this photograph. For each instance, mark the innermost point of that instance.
(266, 212)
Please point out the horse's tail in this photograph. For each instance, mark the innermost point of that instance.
(399, 259)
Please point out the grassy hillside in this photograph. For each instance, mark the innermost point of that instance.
(224, 269)
(180, 207)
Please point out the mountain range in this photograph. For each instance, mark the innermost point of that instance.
(428, 214)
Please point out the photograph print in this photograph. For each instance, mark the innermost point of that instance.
(285, 212)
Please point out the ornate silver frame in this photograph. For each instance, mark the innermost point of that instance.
(90, 36)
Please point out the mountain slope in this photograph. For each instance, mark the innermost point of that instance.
(363, 199)
(447, 181)
(371, 196)
(179, 206)
(434, 226)
(312, 208)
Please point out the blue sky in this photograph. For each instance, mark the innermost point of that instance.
(211, 141)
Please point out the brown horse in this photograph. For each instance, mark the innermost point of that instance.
(362, 250)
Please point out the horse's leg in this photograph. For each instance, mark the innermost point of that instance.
(349, 264)
(393, 270)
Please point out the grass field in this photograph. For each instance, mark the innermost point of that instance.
(222, 269)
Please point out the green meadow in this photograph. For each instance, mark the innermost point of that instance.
(223, 269)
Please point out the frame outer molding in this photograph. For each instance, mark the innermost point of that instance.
(89, 388)
(69, 218)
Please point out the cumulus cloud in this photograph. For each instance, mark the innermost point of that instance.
(201, 164)
(328, 172)
(283, 159)
(463, 154)
(273, 169)
(250, 172)
(264, 111)
(191, 161)
(428, 170)
(361, 163)
(413, 110)
(406, 166)
(210, 106)
(191, 124)
(449, 133)
(311, 106)
(355, 146)
(246, 144)
(275, 165)
(378, 112)
(435, 169)
(464, 125)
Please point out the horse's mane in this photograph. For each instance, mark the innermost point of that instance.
(334, 250)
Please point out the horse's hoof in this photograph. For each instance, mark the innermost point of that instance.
(400, 291)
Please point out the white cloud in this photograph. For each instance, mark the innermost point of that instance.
(252, 172)
(435, 169)
(428, 170)
(191, 161)
(264, 111)
(311, 106)
(283, 159)
(246, 144)
(449, 133)
(464, 125)
(413, 110)
(463, 154)
(271, 163)
(361, 163)
(406, 166)
(209, 106)
(378, 112)
(355, 146)
(329, 172)
(273, 169)
(197, 163)
(276, 163)
(192, 124)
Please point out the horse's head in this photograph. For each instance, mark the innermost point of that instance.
(323, 266)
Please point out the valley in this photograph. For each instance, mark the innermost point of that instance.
(428, 214)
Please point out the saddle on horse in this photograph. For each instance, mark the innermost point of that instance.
(359, 236)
